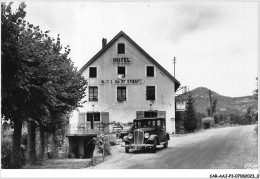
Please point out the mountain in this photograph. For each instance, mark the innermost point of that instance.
(225, 104)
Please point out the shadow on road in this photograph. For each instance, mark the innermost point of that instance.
(146, 151)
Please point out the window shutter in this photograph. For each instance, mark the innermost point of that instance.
(139, 114)
(162, 114)
(81, 120)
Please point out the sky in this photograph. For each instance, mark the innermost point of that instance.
(215, 43)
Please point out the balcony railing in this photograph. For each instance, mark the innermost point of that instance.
(81, 130)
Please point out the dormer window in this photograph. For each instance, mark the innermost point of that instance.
(121, 48)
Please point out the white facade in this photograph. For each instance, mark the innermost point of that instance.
(135, 82)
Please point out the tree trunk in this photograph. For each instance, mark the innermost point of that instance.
(54, 144)
(41, 146)
(31, 152)
(16, 151)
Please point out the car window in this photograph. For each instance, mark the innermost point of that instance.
(151, 123)
(139, 124)
(163, 123)
(145, 123)
(159, 123)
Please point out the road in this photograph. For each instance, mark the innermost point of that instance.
(221, 148)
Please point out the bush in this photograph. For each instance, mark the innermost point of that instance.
(207, 122)
(102, 144)
(6, 147)
(111, 139)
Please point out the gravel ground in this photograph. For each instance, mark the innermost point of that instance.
(61, 164)
(221, 148)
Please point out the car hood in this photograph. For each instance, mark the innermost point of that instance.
(146, 129)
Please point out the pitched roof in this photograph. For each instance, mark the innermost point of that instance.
(121, 33)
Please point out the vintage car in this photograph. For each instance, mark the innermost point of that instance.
(122, 133)
(146, 133)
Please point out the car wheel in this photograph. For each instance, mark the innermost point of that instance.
(166, 144)
(154, 147)
(126, 149)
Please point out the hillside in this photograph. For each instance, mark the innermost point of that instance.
(225, 104)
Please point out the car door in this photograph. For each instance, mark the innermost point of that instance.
(164, 130)
(160, 130)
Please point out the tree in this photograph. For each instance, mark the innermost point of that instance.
(256, 90)
(14, 75)
(190, 120)
(39, 80)
(31, 151)
(248, 117)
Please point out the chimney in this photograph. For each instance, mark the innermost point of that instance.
(104, 42)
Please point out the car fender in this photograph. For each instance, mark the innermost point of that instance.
(152, 138)
(125, 139)
(168, 136)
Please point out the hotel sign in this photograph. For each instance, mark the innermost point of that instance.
(122, 82)
(121, 60)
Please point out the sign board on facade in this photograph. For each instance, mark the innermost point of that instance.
(123, 82)
(180, 106)
(121, 60)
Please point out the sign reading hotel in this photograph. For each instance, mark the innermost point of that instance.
(121, 60)
(122, 82)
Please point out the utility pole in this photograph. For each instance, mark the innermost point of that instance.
(210, 103)
(174, 61)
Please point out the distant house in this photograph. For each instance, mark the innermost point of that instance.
(124, 83)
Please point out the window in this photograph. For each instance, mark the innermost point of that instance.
(150, 71)
(159, 123)
(96, 116)
(92, 72)
(150, 93)
(121, 48)
(93, 93)
(121, 71)
(150, 114)
(121, 93)
(145, 123)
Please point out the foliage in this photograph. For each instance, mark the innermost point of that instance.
(45, 78)
(102, 145)
(207, 122)
(199, 116)
(39, 81)
(190, 120)
(249, 117)
(6, 146)
(256, 90)
(14, 76)
(111, 139)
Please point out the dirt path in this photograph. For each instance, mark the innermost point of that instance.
(222, 148)
(61, 164)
